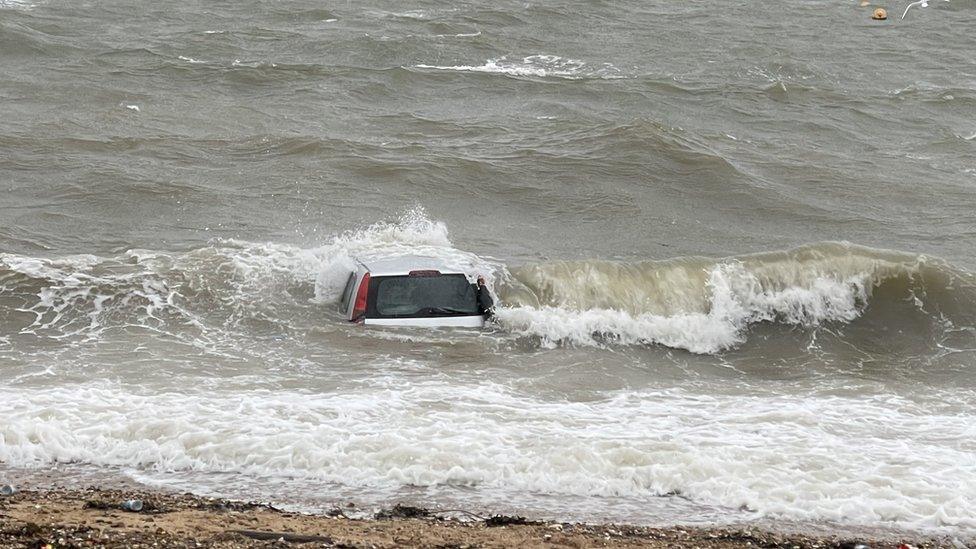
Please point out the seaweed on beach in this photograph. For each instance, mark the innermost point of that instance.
(506, 520)
(100, 505)
(400, 511)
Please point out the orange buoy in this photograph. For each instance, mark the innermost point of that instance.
(879, 14)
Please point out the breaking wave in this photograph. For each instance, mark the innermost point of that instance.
(707, 305)
(699, 304)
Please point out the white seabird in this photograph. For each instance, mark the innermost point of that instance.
(922, 3)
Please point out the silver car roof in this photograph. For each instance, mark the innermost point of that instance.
(402, 265)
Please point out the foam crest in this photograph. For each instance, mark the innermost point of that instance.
(538, 66)
(10, 4)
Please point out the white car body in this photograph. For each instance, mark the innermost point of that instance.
(385, 292)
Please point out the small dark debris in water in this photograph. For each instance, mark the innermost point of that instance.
(400, 511)
(505, 520)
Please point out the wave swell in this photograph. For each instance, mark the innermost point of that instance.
(703, 305)
(707, 305)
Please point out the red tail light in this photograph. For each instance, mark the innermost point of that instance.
(359, 310)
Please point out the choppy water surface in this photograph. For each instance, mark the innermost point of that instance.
(732, 247)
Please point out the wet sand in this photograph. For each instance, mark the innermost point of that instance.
(93, 517)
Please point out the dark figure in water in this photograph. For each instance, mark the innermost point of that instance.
(486, 304)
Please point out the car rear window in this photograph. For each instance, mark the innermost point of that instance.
(421, 296)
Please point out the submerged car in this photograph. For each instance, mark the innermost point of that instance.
(414, 291)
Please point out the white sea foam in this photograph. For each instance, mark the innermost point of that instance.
(858, 460)
(10, 4)
(77, 295)
(189, 59)
(539, 66)
(460, 35)
(412, 14)
(85, 295)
